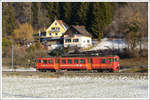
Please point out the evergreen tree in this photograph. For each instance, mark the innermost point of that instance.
(8, 18)
(67, 12)
(83, 13)
(109, 12)
(97, 19)
(53, 10)
(101, 17)
(74, 16)
(35, 15)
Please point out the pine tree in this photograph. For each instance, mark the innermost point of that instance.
(102, 15)
(35, 8)
(67, 12)
(83, 13)
(8, 20)
(74, 16)
(97, 19)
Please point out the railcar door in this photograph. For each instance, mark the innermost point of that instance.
(56, 64)
(50, 63)
(43, 64)
(89, 63)
(38, 63)
(109, 63)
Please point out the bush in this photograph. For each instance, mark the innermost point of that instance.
(6, 47)
(58, 52)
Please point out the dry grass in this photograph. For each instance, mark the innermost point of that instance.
(134, 61)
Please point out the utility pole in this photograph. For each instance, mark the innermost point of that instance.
(12, 57)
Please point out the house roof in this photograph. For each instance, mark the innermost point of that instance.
(80, 29)
(63, 24)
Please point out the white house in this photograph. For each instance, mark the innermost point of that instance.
(77, 36)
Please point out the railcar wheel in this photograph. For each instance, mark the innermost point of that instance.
(99, 70)
(39, 70)
(44, 70)
(111, 70)
(106, 70)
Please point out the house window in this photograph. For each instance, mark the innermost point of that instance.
(57, 29)
(56, 33)
(88, 41)
(50, 33)
(53, 28)
(75, 40)
(55, 23)
(84, 41)
(76, 32)
(68, 40)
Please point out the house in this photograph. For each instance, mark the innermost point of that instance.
(77, 36)
(54, 34)
(56, 29)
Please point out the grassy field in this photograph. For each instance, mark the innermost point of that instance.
(134, 61)
(135, 64)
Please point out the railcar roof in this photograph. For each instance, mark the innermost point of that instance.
(81, 57)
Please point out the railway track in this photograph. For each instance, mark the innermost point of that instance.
(73, 74)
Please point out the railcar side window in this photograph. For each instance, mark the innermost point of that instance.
(63, 61)
(103, 61)
(45, 61)
(76, 61)
(109, 59)
(57, 61)
(82, 61)
(50, 62)
(69, 61)
(42, 61)
(89, 60)
(38, 61)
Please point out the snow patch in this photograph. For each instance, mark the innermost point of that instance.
(76, 87)
(110, 44)
(18, 69)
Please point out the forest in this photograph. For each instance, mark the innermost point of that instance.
(20, 20)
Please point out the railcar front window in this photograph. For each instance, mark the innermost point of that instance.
(114, 59)
(63, 61)
(82, 61)
(103, 61)
(76, 61)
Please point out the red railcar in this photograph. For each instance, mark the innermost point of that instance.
(110, 63)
